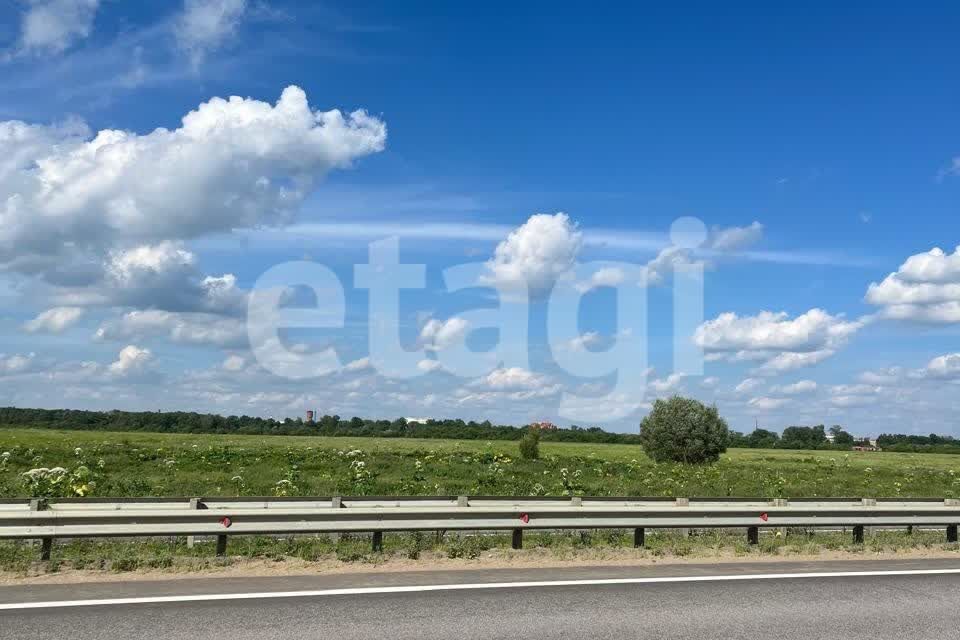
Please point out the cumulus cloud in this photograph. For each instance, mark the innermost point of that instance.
(926, 288)
(734, 238)
(52, 26)
(797, 388)
(535, 255)
(184, 328)
(589, 341)
(233, 363)
(748, 385)
(427, 365)
(710, 382)
(232, 163)
(945, 367)
(764, 403)
(16, 363)
(54, 320)
(604, 277)
(882, 376)
(205, 25)
(855, 389)
(658, 270)
(666, 386)
(512, 379)
(778, 342)
(437, 335)
(720, 240)
(131, 360)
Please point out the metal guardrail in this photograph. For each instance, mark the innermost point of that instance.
(223, 517)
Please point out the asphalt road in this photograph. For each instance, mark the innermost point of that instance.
(917, 607)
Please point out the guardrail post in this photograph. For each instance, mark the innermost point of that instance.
(46, 544)
(858, 534)
(951, 533)
(753, 535)
(576, 501)
(336, 502)
(683, 502)
(639, 537)
(377, 541)
(221, 545)
(517, 542)
(463, 501)
(869, 502)
(194, 504)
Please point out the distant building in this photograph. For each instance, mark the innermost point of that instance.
(417, 420)
(544, 426)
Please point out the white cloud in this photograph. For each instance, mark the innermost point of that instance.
(185, 328)
(234, 363)
(882, 376)
(131, 360)
(241, 162)
(512, 379)
(361, 364)
(767, 404)
(710, 382)
(16, 363)
(54, 320)
(735, 238)
(586, 341)
(666, 386)
(52, 26)
(855, 390)
(777, 341)
(604, 277)
(162, 276)
(535, 255)
(797, 388)
(205, 25)
(791, 361)
(748, 385)
(427, 365)
(952, 169)
(945, 367)
(845, 402)
(926, 288)
(437, 335)
(658, 270)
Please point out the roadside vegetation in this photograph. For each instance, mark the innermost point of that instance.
(324, 553)
(48, 463)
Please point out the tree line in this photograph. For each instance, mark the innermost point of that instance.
(794, 437)
(190, 422)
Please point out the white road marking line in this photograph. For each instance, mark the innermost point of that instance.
(354, 591)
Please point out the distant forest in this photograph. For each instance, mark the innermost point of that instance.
(189, 422)
(794, 437)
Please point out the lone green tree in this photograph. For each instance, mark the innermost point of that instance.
(530, 443)
(683, 430)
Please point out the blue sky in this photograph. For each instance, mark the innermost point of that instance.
(816, 143)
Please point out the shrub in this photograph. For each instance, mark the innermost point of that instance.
(530, 444)
(683, 430)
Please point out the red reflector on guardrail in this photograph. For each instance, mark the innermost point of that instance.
(226, 522)
(764, 517)
(524, 518)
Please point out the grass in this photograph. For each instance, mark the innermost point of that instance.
(150, 464)
(323, 552)
(144, 464)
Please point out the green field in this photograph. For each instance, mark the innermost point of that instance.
(148, 464)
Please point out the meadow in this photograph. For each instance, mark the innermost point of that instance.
(46, 463)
